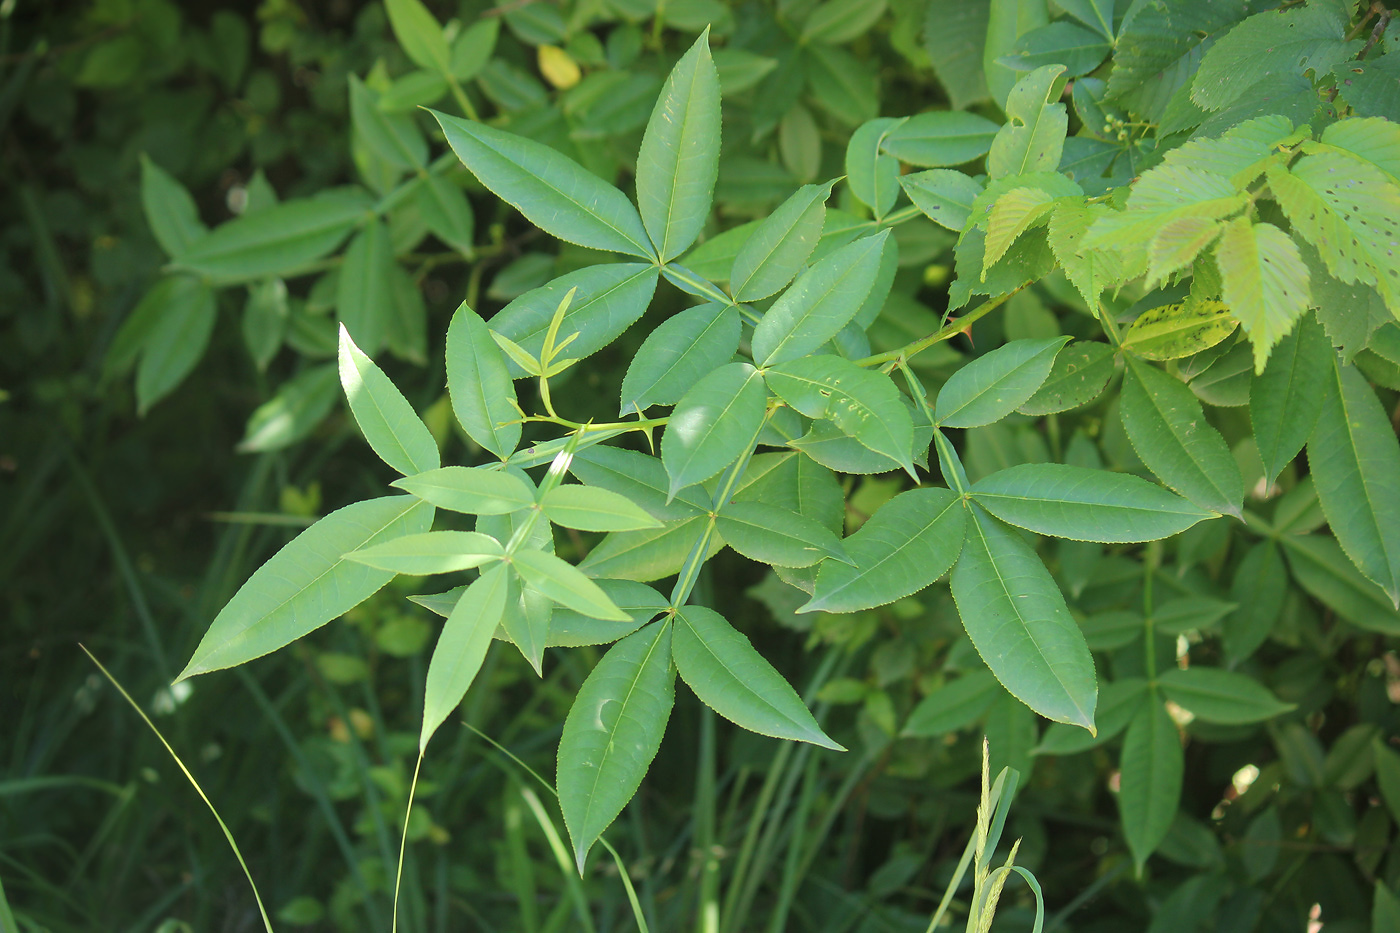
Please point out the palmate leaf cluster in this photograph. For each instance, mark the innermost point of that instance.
(1222, 223)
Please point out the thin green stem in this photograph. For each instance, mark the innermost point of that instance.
(946, 332)
(463, 101)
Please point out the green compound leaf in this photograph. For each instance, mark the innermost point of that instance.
(1017, 619)
(364, 297)
(278, 240)
(473, 490)
(609, 299)
(864, 405)
(389, 423)
(779, 246)
(170, 210)
(589, 508)
(183, 317)
(1080, 374)
(996, 383)
(778, 536)
(1354, 457)
(1179, 329)
(941, 138)
(1152, 766)
(678, 354)
(954, 706)
(613, 731)
(1221, 697)
(679, 159)
(823, 300)
(1284, 400)
(566, 584)
(430, 552)
(479, 384)
(419, 34)
(1170, 433)
(908, 543)
(734, 680)
(1085, 505)
(1033, 138)
(712, 424)
(945, 196)
(1265, 282)
(307, 583)
(462, 645)
(554, 192)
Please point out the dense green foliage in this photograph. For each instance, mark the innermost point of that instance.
(871, 376)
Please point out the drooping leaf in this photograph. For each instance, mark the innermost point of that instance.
(679, 353)
(430, 552)
(712, 424)
(873, 176)
(774, 535)
(307, 583)
(1179, 328)
(996, 383)
(388, 421)
(179, 330)
(462, 646)
(592, 509)
(612, 733)
(279, 240)
(554, 192)
(1034, 136)
(475, 491)
(945, 196)
(864, 405)
(953, 706)
(1170, 433)
(1354, 457)
(679, 158)
(821, 302)
(565, 584)
(1222, 697)
(1085, 505)
(908, 543)
(1265, 282)
(780, 244)
(479, 384)
(1080, 374)
(170, 210)
(1017, 619)
(1285, 399)
(1152, 766)
(734, 680)
(1321, 567)
(608, 300)
(940, 138)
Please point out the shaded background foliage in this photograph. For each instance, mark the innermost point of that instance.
(127, 533)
